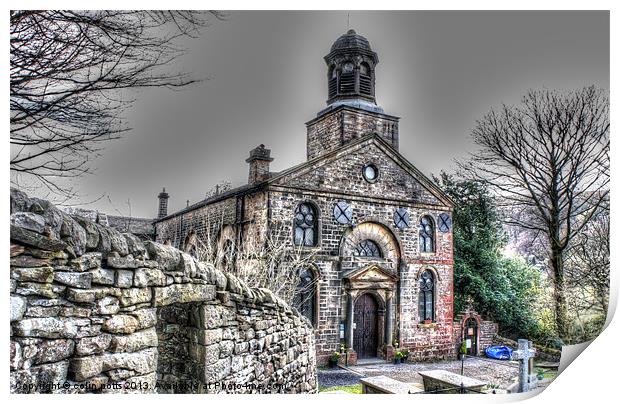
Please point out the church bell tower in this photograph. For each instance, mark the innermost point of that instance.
(352, 110)
(351, 70)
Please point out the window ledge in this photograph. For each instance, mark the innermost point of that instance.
(425, 326)
(306, 249)
(369, 259)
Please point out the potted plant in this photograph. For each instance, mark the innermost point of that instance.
(398, 357)
(428, 321)
(333, 359)
(462, 350)
(405, 353)
(540, 374)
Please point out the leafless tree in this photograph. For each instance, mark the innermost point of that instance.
(587, 267)
(267, 260)
(275, 263)
(548, 157)
(68, 73)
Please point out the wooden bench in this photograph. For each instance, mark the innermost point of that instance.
(450, 383)
(386, 385)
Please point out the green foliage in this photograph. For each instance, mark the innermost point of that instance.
(401, 354)
(506, 290)
(586, 329)
(463, 349)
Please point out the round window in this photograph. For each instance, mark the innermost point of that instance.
(371, 173)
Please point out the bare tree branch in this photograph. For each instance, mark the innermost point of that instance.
(68, 73)
(547, 160)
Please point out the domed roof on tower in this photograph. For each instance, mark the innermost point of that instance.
(351, 40)
(351, 73)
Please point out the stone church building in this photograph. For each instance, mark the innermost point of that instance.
(377, 230)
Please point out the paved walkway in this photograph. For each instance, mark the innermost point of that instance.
(488, 370)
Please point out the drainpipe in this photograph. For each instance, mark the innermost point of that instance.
(401, 266)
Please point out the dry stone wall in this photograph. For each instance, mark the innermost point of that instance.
(95, 310)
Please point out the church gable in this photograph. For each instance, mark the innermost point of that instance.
(344, 171)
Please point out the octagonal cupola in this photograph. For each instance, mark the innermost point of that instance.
(351, 71)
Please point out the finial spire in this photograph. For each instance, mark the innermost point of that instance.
(348, 21)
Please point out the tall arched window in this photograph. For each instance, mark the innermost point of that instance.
(426, 299)
(427, 234)
(190, 245)
(228, 256)
(333, 81)
(367, 248)
(365, 79)
(347, 78)
(306, 228)
(305, 294)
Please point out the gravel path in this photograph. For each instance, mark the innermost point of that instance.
(490, 371)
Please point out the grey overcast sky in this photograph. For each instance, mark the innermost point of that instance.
(438, 71)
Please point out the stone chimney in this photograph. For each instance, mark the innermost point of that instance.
(163, 204)
(259, 164)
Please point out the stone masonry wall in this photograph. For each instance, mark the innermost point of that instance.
(426, 342)
(95, 310)
(487, 330)
(334, 128)
(248, 210)
(205, 222)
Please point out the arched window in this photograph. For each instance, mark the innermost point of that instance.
(427, 234)
(426, 299)
(190, 245)
(333, 72)
(306, 228)
(332, 81)
(364, 69)
(367, 248)
(347, 78)
(365, 79)
(228, 255)
(305, 294)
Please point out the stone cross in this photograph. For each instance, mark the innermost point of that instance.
(523, 355)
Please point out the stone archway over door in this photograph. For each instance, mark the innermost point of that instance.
(365, 334)
(470, 332)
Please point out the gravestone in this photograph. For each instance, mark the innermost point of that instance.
(440, 380)
(386, 385)
(524, 354)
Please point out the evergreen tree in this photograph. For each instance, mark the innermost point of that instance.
(506, 290)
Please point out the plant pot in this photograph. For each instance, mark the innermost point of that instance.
(333, 363)
(397, 361)
(540, 377)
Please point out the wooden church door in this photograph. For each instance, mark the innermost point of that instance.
(365, 336)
